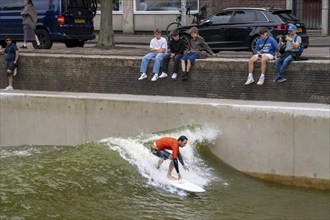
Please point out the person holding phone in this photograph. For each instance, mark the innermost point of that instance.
(293, 42)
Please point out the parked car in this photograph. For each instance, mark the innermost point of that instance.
(70, 22)
(236, 29)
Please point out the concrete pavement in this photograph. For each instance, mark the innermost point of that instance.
(137, 45)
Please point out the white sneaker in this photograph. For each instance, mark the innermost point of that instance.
(249, 80)
(15, 72)
(155, 77)
(261, 81)
(9, 88)
(163, 75)
(174, 76)
(143, 76)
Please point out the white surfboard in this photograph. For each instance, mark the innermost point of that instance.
(186, 185)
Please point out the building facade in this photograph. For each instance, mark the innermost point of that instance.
(132, 16)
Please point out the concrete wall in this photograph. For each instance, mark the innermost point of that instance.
(280, 142)
(308, 81)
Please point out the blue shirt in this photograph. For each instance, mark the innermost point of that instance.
(270, 46)
(11, 52)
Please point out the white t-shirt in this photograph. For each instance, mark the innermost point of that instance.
(158, 44)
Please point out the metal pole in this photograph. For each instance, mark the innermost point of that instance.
(183, 12)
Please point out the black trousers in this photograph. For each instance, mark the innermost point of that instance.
(176, 64)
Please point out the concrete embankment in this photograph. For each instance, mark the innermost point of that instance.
(308, 81)
(281, 142)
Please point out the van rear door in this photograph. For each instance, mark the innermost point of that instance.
(78, 17)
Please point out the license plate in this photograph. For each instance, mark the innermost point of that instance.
(79, 21)
(299, 30)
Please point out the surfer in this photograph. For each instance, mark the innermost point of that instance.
(159, 149)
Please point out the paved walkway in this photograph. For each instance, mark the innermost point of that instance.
(137, 45)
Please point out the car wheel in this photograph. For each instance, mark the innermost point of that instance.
(44, 39)
(186, 40)
(253, 44)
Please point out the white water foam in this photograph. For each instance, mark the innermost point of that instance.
(137, 152)
(22, 152)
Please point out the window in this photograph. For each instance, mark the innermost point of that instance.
(261, 17)
(244, 16)
(221, 18)
(13, 5)
(287, 17)
(117, 5)
(164, 5)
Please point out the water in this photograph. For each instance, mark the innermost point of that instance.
(117, 179)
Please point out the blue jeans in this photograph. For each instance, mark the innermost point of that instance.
(282, 64)
(146, 59)
(191, 56)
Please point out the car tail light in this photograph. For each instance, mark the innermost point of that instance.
(60, 19)
(281, 27)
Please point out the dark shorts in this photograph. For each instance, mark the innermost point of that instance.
(191, 57)
(11, 66)
(160, 153)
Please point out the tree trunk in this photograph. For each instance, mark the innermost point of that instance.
(106, 35)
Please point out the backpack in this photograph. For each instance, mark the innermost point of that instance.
(301, 46)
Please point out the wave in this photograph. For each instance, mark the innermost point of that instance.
(136, 150)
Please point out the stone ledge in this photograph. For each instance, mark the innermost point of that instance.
(308, 81)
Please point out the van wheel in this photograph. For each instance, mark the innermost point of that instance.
(74, 43)
(44, 39)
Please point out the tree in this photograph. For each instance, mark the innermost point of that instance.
(106, 34)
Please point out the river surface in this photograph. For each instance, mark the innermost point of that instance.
(117, 179)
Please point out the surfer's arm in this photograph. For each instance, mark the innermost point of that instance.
(180, 159)
(176, 164)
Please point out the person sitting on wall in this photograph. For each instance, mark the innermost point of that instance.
(197, 46)
(176, 47)
(267, 48)
(158, 48)
(291, 53)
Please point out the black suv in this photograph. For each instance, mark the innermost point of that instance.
(236, 29)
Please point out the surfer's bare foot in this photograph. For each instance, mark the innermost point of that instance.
(172, 177)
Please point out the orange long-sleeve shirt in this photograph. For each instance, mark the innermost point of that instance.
(170, 144)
